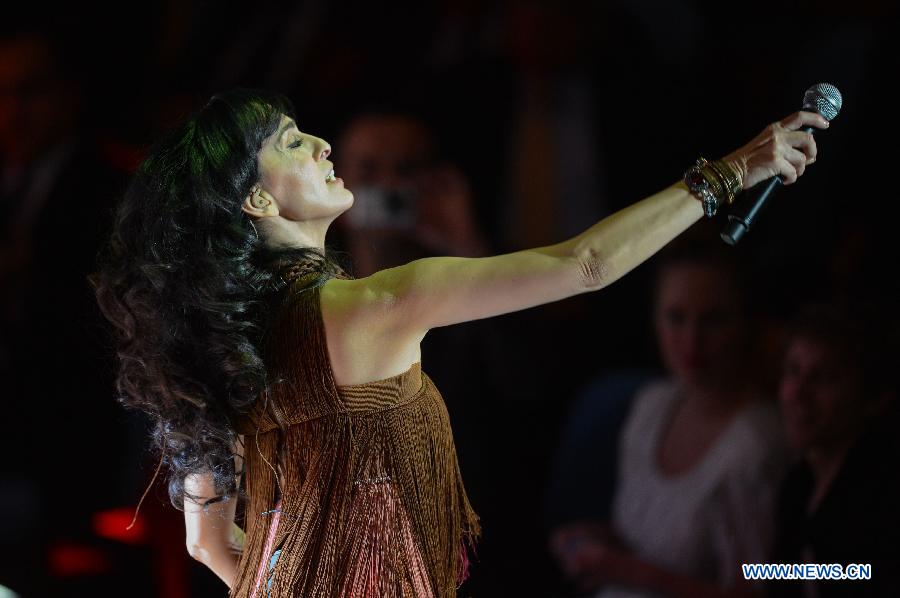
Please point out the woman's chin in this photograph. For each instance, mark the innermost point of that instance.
(344, 206)
(342, 194)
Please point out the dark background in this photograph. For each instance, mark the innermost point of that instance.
(666, 82)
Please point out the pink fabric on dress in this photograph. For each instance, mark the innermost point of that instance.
(267, 552)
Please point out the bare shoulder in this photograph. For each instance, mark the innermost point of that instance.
(364, 330)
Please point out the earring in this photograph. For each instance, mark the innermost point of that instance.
(255, 232)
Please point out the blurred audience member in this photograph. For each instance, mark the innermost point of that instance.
(700, 454)
(55, 186)
(839, 503)
(409, 204)
(555, 182)
(38, 118)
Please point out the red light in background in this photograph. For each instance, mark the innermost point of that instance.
(69, 559)
(113, 525)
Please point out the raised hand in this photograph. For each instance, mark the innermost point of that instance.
(782, 149)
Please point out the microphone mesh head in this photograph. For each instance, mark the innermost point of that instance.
(823, 98)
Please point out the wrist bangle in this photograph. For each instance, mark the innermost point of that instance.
(702, 181)
(729, 178)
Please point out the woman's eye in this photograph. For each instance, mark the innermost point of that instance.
(296, 144)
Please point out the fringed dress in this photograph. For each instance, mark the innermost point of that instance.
(353, 491)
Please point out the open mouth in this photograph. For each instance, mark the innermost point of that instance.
(330, 178)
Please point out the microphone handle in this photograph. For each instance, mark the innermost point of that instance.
(741, 218)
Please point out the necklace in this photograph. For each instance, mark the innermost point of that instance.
(324, 269)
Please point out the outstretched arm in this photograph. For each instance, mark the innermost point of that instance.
(212, 536)
(439, 291)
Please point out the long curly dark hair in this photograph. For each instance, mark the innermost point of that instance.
(190, 289)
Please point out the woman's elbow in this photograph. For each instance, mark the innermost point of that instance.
(197, 551)
(594, 272)
(223, 564)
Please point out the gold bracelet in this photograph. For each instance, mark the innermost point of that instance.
(729, 178)
(715, 183)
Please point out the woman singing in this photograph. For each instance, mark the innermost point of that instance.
(265, 367)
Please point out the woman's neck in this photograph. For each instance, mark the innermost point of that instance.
(715, 397)
(280, 233)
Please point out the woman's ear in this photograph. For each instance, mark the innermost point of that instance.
(259, 203)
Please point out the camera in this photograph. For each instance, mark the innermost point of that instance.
(380, 207)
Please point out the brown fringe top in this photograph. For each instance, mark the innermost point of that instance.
(371, 498)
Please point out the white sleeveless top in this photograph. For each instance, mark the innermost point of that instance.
(704, 522)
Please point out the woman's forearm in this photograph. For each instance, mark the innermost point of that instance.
(615, 245)
(215, 542)
(618, 243)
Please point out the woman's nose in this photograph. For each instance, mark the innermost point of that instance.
(323, 149)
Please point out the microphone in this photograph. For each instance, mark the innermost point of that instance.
(823, 98)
